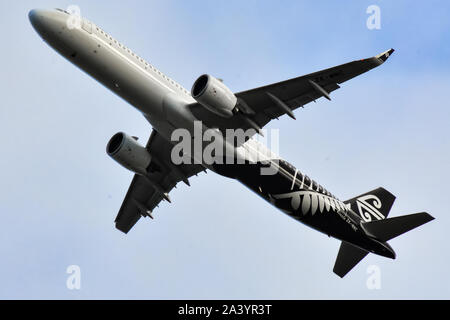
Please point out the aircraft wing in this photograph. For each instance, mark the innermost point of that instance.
(263, 104)
(144, 194)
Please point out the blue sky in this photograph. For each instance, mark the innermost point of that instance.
(60, 192)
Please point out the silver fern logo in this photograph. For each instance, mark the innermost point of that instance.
(368, 207)
(311, 201)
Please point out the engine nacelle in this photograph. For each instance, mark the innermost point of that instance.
(214, 95)
(129, 153)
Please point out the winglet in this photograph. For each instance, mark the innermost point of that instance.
(385, 55)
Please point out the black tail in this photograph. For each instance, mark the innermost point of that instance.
(374, 207)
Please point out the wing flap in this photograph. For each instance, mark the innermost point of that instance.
(139, 192)
(145, 193)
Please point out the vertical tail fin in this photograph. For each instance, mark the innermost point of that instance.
(348, 257)
(372, 205)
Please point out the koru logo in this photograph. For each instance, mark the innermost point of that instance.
(369, 207)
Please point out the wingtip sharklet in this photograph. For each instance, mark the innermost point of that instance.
(385, 55)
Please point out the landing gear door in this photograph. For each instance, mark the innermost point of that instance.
(87, 26)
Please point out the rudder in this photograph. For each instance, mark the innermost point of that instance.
(372, 205)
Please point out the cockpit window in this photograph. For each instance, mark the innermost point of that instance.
(61, 10)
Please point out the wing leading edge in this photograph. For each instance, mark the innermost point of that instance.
(263, 104)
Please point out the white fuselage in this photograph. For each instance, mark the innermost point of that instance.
(162, 101)
(111, 63)
(165, 104)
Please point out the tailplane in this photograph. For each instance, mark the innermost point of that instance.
(348, 257)
(385, 230)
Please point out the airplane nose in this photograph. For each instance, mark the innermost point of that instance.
(38, 19)
(35, 15)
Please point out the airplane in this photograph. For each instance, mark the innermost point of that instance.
(361, 223)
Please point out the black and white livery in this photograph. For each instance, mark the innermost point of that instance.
(361, 223)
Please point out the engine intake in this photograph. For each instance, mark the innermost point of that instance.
(214, 95)
(129, 153)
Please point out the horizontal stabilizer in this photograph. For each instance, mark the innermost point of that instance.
(348, 257)
(388, 229)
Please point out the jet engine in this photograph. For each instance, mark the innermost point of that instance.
(214, 95)
(129, 153)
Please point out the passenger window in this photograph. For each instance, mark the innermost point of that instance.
(307, 181)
